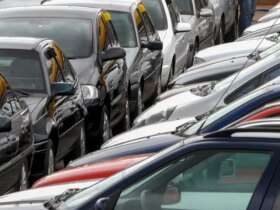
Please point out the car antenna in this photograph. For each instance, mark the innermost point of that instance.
(232, 81)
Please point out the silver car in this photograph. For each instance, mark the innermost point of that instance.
(200, 15)
(200, 101)
(226, 19)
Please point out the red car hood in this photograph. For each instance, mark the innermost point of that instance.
(96, 171)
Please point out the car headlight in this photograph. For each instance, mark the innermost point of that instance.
(198, 60)
(151, 118)
(90, 94)
(203, 89)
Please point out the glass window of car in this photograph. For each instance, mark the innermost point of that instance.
(157, 13)
(198, 181)
(124, 27)
(174, 15)
(140, 26)
(203, 3)
(22, 69)
(112, 34)
(149, 26)
(76, 42)
(103, 38)
(185, 7)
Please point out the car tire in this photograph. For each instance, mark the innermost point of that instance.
(159, 88)
(23, 182)
(105, 126)
(50, 160)
(140, 104)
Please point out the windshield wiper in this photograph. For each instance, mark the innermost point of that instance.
(182, 128)
(19, 92)
(55, 202)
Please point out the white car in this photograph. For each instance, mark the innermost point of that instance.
(200, 15)
(233, 49)
(199, 101)
(226, 19)
(172, 33)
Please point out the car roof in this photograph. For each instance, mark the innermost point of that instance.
(120, 5)
(20, 43)
(50, 11)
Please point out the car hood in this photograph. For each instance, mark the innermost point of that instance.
(34, 198)
(146, 132)
(85, 69)
(36, 104)
(261, 26)
(233, 49)
(165, 106)
(270, 16)
(131, 54)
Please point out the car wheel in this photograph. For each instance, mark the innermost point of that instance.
(50, 162)
(140, 104)
(23, 184)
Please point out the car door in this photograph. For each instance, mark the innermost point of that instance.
(231, 177)
(113, 72)
(181, 39)
(152, 59)
(65, 110)
(204, 24)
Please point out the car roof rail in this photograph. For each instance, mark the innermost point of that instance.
(230, 132)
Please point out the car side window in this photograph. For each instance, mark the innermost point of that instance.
(270, 75)
(148, 23)
(174, 15)
(140, 26)
(103, 36)
(112, 34)
(203, 180)
(243, 90)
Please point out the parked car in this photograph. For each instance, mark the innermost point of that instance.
(144, 60)
(16, 137)
(37, 69)
(261, 29)
(211, 72)
(193, 173)
(226, 20)
(199, 101)
(91, 172)
(166, 18)
(153, 138)
(95, 55)
(200, 15)
(235, 49)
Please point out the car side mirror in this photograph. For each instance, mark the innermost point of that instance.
(62, 89)
(172, 195)
(102, 203)
(152, 45)
(5, 124)
(182, 27)
(112, 54)
(206, 12)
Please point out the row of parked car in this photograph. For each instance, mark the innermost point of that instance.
(210, 123)
(75, 73)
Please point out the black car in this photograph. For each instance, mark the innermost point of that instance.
(88, 39)
(37, 70)
(16, 140)
(141, 42)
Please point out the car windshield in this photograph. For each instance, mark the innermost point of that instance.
(22, 69)
(124, 28)
(157, 13)
(185, 7)
(93, 191)
(76, 42)
(222, 112)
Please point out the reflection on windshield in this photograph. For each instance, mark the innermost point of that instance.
(22, 69)
(76, 42)
(185, 7)
(157, 13)
(124, 29)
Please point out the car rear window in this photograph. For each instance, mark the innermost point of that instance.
(75, 36)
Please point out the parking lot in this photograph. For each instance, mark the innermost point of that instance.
(139, 104)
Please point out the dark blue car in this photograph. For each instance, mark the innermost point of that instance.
(225, 170)
(119, 146)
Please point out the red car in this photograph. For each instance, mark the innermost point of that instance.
(92, 172)
(108, 168)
